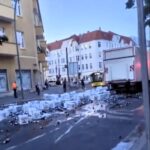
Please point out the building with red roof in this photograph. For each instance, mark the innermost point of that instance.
(85, 53)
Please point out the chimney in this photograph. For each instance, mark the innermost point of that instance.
(100, 28)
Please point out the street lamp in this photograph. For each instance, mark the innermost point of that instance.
(18, 58)
(67, 66)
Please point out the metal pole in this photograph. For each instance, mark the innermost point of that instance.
(67, 67)
(18, 58)
(144, 68)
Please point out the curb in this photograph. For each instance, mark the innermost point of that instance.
(136, 139)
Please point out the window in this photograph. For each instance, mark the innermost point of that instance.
(99, 44)
(63, 69)
(91, 66)
(90, 55)
(85, 56)
(18, 7)
(2, 31)
(63, 60)
(100, 64)
(77, 49)
(70, 59)
(82, 57)
(86, 66)
(79, 67)
(99, 54)
(20, 39)
(77, 58)
(82, 66)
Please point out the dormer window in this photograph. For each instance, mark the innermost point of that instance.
(99, 44)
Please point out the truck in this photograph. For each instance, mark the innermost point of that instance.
(122, 69)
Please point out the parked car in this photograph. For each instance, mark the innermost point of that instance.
(52, 83)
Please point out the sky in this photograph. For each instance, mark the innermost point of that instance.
(63, 18)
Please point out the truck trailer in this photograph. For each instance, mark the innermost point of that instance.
(122, 69)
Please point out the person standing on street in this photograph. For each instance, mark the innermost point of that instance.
(37, 88)
(14, 87)
(46, 84)
(82, 84)
(64, 85)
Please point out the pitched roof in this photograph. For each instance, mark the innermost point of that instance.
(55, 45)
(87, 37)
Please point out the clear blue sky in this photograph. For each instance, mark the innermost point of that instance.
(62, 18)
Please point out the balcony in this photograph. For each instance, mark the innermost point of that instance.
(39, 32)
(8, 49)
(43, 44)
(6, 13)
(41, 57)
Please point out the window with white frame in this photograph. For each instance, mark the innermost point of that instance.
(86, 56)
(79, 67)
(100, 64)
(20, 39)
(82, 57)
(99, 44)
(90, 55)
(86, 66)
(62, 60)
(91, 66)
(82, 66)
(2, 31)
(99, 54)
(18, 7)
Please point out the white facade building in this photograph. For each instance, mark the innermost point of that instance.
(86, 50)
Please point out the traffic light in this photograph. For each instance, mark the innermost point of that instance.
(130, 3)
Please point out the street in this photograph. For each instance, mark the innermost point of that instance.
(86, 128)
(79, 133)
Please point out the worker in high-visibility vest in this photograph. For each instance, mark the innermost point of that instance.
(14, 88)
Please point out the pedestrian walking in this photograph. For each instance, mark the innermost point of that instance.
(64, 85)
(37, 88)
(14, 87)
(46, 84)
(82, 83)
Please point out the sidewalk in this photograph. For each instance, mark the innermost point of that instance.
(7, 98)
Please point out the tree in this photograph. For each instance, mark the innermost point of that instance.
(131, 3)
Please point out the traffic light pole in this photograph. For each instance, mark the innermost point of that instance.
(144, 67)
(67, 67)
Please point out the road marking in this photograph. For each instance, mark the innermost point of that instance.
(68, 130)
(54, 130)
(35, 138)
(12, 147)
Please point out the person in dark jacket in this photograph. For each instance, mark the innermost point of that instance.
(64, 85)
(82, 84)
(37, 88)
(46, 84)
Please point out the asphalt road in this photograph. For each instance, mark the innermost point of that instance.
(77, 133)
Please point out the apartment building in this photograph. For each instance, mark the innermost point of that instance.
(30, 40)
(85, 53)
